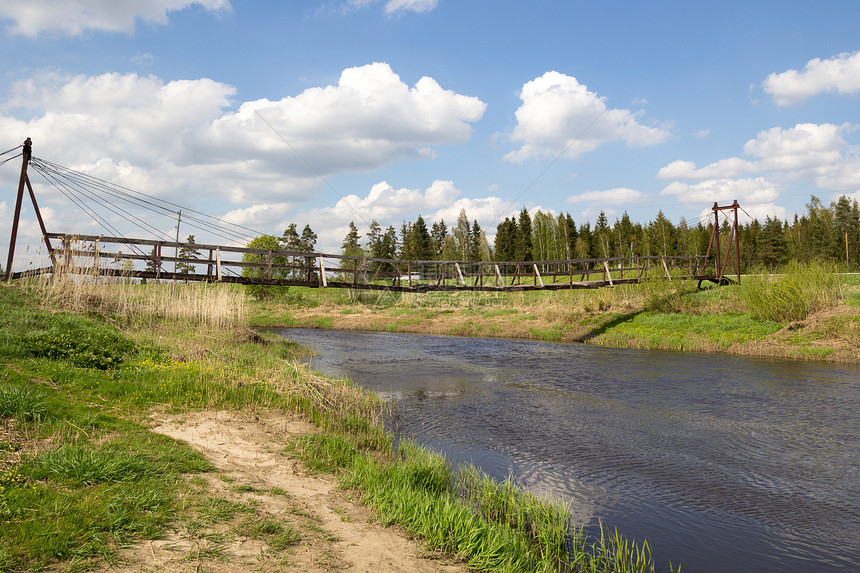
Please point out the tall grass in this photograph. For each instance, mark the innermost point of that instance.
(795, 293)
(493, 526)
(214, 306)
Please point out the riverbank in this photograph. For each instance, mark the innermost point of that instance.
(145, 427)
(662, 315)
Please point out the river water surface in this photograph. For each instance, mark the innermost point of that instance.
(724, 464)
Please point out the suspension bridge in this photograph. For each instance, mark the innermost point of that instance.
(167, 258)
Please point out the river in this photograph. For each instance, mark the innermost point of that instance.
(724, 464)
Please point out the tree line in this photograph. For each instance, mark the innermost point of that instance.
(828, 233)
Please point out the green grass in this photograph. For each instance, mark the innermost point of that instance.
(494, 526)
(101, 480)
(687, 331)
(794, 294)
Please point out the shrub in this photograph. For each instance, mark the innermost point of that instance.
(84, 348)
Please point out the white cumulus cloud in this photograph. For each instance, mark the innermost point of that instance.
(186, 141)
(560, 115)
(369, 119)
(74, 17)
(747, 191)
(839, 74)
(803, 146)
(182, 136)
(801, 154)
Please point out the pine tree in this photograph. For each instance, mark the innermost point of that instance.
(524, 237)
(438, 232)
(307, 242)
(350, 246)
(600, 237)
(187, 252)
(820, 235)
(506, 240)
(422, 244)
(570, 234)
(477, 242)
(846, 227)
(462, 236)
(772, 245)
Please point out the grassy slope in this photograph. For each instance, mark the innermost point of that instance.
(660, 315)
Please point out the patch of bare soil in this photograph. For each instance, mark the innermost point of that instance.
(319, 527)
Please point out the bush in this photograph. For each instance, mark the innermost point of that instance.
(84, 348)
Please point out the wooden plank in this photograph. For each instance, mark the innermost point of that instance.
(608, 273)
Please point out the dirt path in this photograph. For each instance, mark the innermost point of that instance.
(331, 532)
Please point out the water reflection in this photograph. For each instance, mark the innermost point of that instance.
(725, 464)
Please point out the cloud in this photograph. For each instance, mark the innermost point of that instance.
(559, 115)
(418, 6)
(731, 167)
(778, 159)
(390, 206)
(840, 74)
(133, 118)
(748, 191)
(369, 119)
(73, 18)
(181, 137)
(805, 152)
(188, 142)
(617, 196)
(806, 145)
(261, 215)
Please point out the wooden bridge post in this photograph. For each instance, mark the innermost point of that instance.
(538, 278)
(96, 257)
(67, 253)
(25, 154)
(218, 264)
(323, 280)
(158, 260)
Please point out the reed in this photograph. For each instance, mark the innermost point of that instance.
(213, 306)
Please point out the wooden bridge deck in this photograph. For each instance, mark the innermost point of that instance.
(105, 256)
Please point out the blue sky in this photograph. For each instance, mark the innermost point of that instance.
(323, 112)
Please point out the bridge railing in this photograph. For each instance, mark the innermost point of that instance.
(150, 259)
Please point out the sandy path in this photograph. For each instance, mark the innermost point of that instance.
(335, 533)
